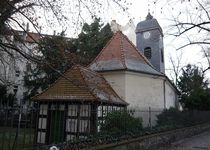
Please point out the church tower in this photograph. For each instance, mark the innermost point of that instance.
(149, 40)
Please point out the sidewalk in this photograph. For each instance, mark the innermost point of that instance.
(198, 142)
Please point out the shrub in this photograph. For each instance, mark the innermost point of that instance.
(169, 118)
(121, 122)
(173, 118)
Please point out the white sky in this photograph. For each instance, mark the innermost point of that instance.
(137, 11)
(161, 11)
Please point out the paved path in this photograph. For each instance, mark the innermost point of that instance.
(198, 142)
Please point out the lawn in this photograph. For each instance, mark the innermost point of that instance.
(7, 138)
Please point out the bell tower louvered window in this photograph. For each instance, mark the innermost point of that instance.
(148, 52)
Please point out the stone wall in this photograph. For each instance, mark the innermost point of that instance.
(155, 140)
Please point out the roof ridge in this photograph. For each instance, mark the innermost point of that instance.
(122, 50)
(140, 54)
(107, 83)
(102, 50)
(91, 91)
(91, 71)
(63, 76)
(115, 91)
(50, 85)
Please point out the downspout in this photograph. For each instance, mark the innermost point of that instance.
(164, 93)
(177, 101)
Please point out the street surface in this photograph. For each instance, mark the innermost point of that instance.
(198, 142)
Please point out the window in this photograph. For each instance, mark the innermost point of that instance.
(15, 88)
(148, 52)
(162, 57)
(28, 66)
(17, 73)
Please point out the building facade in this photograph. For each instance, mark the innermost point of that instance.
(13, 65)
(121, 74)
(133, 77)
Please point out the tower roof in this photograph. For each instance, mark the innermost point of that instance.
(148, 24)
(149, 16)
(80, 84)
(121, 54)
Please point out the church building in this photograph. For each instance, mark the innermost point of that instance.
(137, 74)
(121, 76)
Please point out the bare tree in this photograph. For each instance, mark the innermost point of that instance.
(13, 14)
(206, 53)
(65, 13)
(176, 67)
(197, 21)
(190, 23)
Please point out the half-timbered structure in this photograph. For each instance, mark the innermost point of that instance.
(74, 105)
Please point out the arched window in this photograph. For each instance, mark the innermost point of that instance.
(148, 52)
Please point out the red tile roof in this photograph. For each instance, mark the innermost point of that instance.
(30, 37)
(121, 54)
(33, 37)
(80, 84)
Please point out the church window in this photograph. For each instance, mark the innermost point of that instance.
(17, 73)
(148, 52)
(162, 57)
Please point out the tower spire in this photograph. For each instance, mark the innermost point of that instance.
(149, 16)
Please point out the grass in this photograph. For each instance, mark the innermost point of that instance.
(7, 138)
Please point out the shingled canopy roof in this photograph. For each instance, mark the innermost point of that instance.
(80, 84)
(121, 54)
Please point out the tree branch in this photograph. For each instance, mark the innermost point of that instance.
(192, 26)
(193, 43)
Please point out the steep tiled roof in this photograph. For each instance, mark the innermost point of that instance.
(30, 37)
(80, 84)
(121, 54)
(33, 37)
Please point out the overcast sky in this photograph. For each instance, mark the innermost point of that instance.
(137, 11)
(164, 13)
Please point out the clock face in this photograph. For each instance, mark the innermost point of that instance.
(146, 35)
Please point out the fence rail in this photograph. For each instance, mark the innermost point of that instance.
(28, 127)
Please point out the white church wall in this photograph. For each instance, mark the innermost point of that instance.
(141, 91)
(145, 94)
(144, 91)
(117, 81)
(170, 95)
